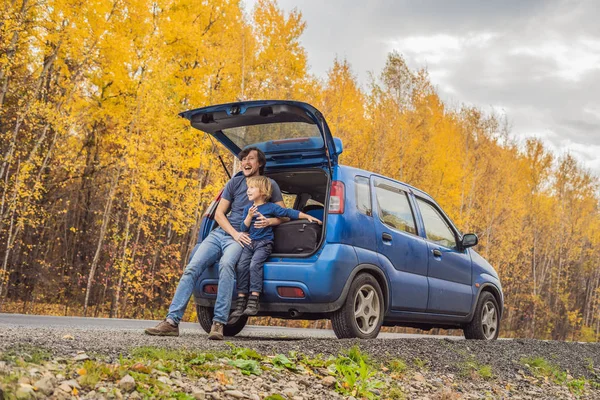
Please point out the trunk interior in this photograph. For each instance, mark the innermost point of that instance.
(304, 190)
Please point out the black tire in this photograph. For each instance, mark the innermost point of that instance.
(344, 322)
(205, 316)
(486, 320)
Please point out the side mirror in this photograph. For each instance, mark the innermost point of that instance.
(469, 240)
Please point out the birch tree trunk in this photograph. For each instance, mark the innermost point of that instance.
(10, 52)
(105, 220)
(122, 263)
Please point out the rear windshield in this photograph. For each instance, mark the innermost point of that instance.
(298, 134)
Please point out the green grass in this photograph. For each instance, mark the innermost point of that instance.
(419, 363)
(95, 372)
(398, 366)
(317, 362)
(540, 367)
(474, 369)
(394, 393)
(577, 386)
(25, 354)
(355, 374)
(281, 361)
(192, 363)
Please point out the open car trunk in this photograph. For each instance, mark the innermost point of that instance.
(300, 154)
(305, 190)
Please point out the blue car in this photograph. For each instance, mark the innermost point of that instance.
(387, 255)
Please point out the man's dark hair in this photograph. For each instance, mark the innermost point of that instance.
(262, 159)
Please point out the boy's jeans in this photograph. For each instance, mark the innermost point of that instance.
(251, 264)
(218, 246)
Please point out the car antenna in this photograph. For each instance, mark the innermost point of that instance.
(218, 155)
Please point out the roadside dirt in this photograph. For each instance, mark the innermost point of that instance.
(315, 368)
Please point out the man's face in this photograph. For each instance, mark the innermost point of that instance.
(250, 164)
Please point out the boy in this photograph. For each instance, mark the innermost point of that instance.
(254, 255)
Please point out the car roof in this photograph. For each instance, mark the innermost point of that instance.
(358, 171)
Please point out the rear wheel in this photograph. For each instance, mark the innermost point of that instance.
(486, 319)
(205, 316)
(361, 315)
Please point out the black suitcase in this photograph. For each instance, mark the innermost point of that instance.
(294, 237)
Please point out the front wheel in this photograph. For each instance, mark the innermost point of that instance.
(486, 319)
(361, 315)
(205, 316)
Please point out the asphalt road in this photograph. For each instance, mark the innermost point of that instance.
(250, 331)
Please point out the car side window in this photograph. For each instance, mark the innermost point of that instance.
(394, 208)
(363, 195)
(436, 227)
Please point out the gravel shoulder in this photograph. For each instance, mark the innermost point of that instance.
(315, 368)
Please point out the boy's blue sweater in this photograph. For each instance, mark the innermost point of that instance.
(269, 210)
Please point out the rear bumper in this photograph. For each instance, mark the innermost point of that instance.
(324, 278)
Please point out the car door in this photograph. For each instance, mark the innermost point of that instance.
(449, 271)
(399, 246)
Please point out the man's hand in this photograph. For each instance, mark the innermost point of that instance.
(261, 221)
(243, 239)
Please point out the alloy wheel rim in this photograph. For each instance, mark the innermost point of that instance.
(489, 320)
(366, 309)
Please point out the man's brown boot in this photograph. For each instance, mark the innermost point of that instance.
(163, 329)
(216, 331)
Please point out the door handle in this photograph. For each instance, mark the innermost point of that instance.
(436, 253)
(386, 237)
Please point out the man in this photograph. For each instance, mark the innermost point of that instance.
(224, 245)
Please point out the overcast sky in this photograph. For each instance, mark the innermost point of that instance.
(537, 62)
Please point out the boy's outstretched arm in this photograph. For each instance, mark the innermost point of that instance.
(310, 218)
(263, 222)
(294, 214)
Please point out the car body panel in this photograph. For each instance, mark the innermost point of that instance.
(450, 282)
(322, 275)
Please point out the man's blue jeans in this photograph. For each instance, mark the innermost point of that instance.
(218, 246)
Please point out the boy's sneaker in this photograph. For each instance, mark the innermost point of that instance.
(252, 307)
(216, 331)
(165, 328)
(240, 305)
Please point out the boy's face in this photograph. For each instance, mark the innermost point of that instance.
(250, 164)
(254, 194)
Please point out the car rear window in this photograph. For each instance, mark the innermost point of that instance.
(363, 195)
(298, 133)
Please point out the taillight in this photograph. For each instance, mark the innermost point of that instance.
(290, 291)
(336, 198)
(210, 210)
(211, 289)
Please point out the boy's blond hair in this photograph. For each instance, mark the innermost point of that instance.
(262, 183)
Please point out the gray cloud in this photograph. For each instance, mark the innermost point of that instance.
(537, 60)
